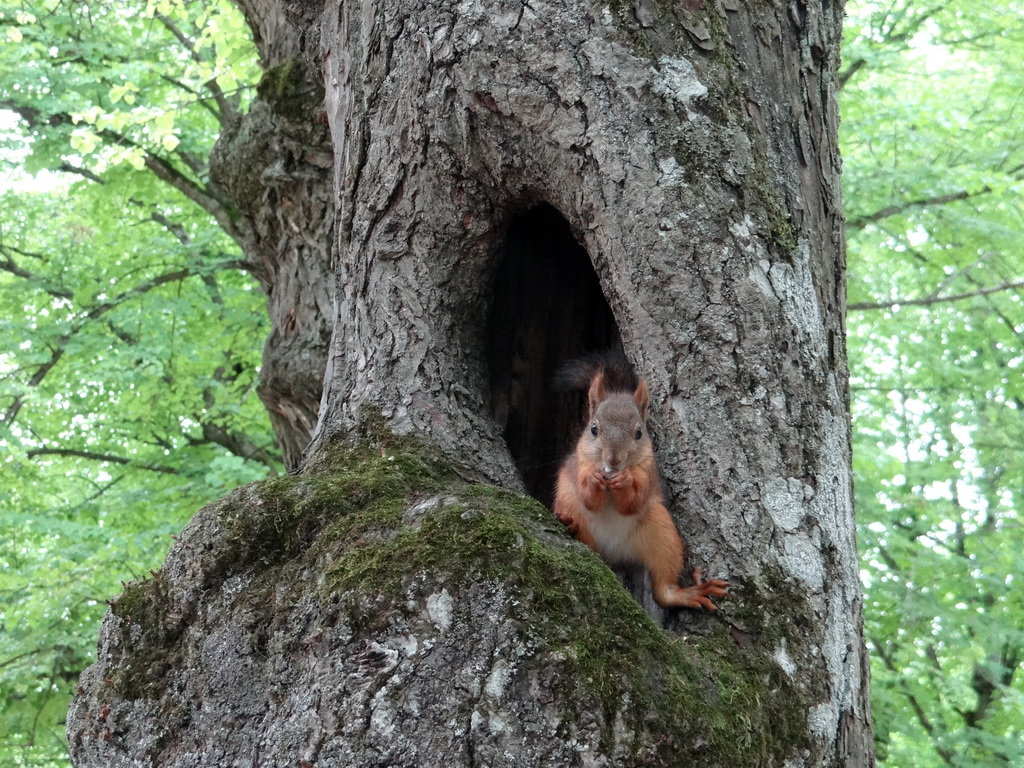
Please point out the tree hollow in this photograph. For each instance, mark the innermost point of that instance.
(547, 308)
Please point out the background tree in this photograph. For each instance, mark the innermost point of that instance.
(275, 207)
(129, 367)
(933, 160)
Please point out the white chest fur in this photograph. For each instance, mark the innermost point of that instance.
(613, 534)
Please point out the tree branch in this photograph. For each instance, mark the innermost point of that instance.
(987, 686)
(105, 457)
(850, 71)
(998, 312)
(227, 110)
(891, 38)
(18, 657)
(915, 704)
(235, 442)
(138, 290)
(78, 171)
(8, 265)
(205, 198)
(125, 336)
(927, 301)
(58, 352)
(201, 100)
(168, 174)
(892, 210)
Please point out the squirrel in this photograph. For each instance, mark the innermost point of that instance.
(608, 493)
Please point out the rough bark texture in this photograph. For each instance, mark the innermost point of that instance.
(276, 165)
(691, 149)
(384, 613)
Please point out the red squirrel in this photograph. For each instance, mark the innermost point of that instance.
(608, 492)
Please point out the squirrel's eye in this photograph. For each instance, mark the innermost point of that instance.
(639, 433)
(593, 429)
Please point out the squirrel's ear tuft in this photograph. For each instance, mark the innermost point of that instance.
(641, 398)
(596, 393)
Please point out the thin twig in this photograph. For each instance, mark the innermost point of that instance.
(928, 301)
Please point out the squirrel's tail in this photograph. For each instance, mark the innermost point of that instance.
(618, 372)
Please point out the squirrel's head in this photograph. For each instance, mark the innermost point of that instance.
(617, 435)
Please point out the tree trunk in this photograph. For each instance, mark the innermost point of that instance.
(275, 164)
(517, 184)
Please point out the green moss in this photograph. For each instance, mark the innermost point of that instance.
(714, 703)
(355, 521)
(289, 90)
(135, 602)
(624, 13)
(472, 533)
(780, 224)
(293, 511)
(667, 32)
(152, 631)
(277, 81)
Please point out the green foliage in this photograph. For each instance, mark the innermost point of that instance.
(932, 138)
(129, 336)
(129, 344)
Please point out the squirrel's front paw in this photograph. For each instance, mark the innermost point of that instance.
(619, 480)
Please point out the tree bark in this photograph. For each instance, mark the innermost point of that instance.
(275, 164)
(692, 151)
(688, 151)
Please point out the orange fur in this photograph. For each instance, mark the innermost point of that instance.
(609, 496)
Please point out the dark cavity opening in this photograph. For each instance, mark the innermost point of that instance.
(547, 308)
